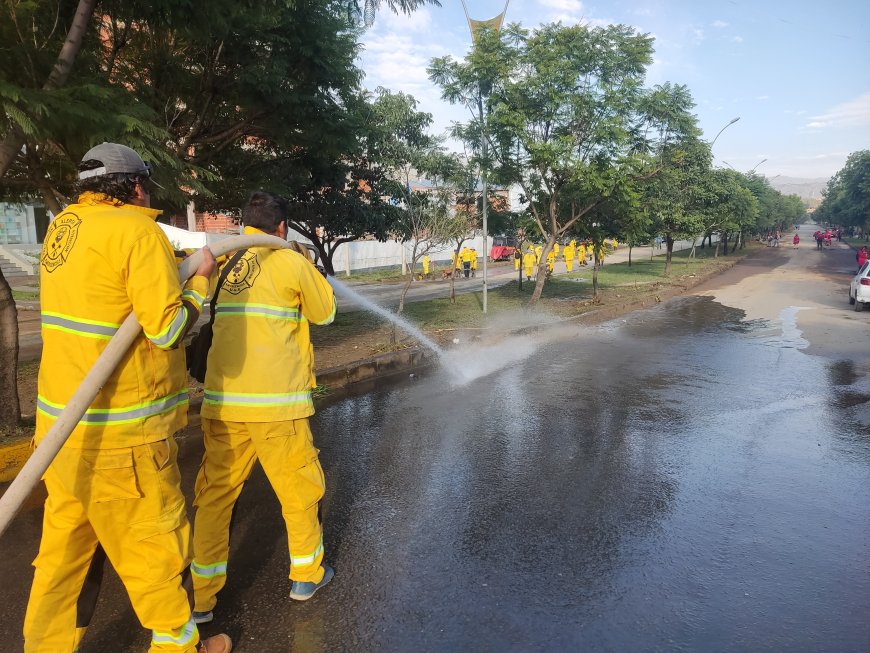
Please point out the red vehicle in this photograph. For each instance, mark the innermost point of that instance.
(503, 249)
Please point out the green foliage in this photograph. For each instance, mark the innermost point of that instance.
(568, 120)
(847, 197)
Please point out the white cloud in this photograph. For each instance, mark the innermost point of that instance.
(854, 113)
(719, 24)
(738, 39)
(760, 97)
(697, 36)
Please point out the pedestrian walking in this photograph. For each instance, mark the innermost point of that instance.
(114, 488)
(861, 256)
(256, 404)
(795, 241)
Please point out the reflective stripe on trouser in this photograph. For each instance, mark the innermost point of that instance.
(287, 454)
(127, 502)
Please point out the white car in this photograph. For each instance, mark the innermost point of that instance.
(859, 287)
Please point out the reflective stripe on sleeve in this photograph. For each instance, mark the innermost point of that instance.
(331, 315)
(302, 561)
(261, 310)
(170, 335)
(194, 297)
(123, 415)
(257, 399)
(79, 326)
(188, 634)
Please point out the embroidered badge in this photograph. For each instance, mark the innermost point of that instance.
(243, 274)
(59, 241)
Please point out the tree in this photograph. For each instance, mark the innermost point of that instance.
(16, 125)
(846, 198)
(567, 116)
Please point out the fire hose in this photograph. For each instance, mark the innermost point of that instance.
(57, 435)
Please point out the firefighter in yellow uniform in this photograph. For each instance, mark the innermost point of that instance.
(556, 249)
(473, 257)
(113, 489)
(581, 254)
(538, 250)
(568, 253)
(529, 259)
(518, 256)
(256, 404)
(465, 257)
(600, 253)
(551, 260)
(425, 266)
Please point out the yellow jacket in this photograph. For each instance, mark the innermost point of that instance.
(99, 263)
(261, 362)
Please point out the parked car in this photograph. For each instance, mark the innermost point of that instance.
(859, 287)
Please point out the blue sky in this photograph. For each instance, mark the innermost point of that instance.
(796, 73)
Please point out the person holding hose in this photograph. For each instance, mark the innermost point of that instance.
(257, 400)
(113, 489)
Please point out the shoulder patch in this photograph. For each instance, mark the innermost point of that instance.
(243, 274)
(59, 241)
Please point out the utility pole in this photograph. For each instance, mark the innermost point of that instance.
(473, 25)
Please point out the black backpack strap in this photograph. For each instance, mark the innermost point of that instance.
(221, 278)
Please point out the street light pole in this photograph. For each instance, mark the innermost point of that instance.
(730, 122)
(495, 23)
(756, 165)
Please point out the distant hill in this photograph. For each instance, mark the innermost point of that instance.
(808, 189)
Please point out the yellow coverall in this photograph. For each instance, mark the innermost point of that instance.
(568, 253)
(551, 260)
(257, 400)
(556, 249)
(473, 257)
(538, 250)
(517, 259)
(113, 490)
(425, 266)
(528, 263)
(581, 254)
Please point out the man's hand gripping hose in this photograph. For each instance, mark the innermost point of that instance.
(33, 470)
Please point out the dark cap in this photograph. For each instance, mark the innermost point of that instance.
(116, 159)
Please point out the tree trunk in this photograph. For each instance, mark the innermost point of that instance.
(596, 265)
(542, 272)
(10, 408)
(669, 253)
(14, 140)
(738, 240)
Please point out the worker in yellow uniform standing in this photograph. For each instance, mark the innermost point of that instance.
(529, 259)
(256, 404)
(473, 257)
(551, 260)
(425, 266)
(581, 253)
(568, 253)
(465, 256)
(113, 489)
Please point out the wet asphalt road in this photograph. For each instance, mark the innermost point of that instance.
(678, 480)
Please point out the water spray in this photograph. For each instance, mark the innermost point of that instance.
(42, 457)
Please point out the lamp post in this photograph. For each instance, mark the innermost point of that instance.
(728, 124)
(756, 165)
(473, 25)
